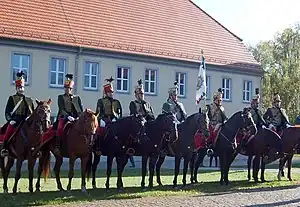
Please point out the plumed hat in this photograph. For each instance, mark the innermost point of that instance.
(256, 96)
(139, 88)
(174, 89)
(20, 81)
(218, 94)
(69, 83)
(108, 87)
(276, 98)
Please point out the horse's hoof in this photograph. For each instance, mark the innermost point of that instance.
(221, 183)
(159, 183)
(5, 191)
(120, 190)
(256, 181)
(144, 189)
(226, 182)
(263, 181)
(94, 187)
(175, 187)
(108, 191)
(290, 179)
(37, 190)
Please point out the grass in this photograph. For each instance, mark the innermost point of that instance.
(208, 185)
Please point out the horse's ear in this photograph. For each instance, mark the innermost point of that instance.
(38, 102)
(86, 110)
(49, 101)
(96, 114)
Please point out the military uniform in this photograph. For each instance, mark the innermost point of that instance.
(18, 108)
(140, 106)
(174, 107)
(69, 109)
(276, 117)
(256, 114)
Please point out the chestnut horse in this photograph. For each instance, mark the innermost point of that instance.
(24, 142)
(75, 143)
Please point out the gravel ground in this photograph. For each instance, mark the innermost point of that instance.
(250, 198)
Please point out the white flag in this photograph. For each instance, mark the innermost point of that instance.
(201, 82)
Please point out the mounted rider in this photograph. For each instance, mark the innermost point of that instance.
(257, 115)
(173, 106)
(276, 116)
(18, 108)
(139, 106)
(216, 115)
(69, 109)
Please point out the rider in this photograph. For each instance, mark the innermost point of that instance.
(69, 109)
(139, 106)
(108, 108)
(276, 116)
(18, 108)
(172, 105)
(255, 112)
(216, 114)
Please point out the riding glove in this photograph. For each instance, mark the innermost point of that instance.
(113, 120)
(70, 118)
(102, 123)
(12, 122)
(287, 125)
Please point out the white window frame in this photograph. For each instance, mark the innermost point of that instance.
(181, 93)
(247, 90)
(56, 71)
(122, 79)
(207, 87)
(149, 81)
(21, 68)
(226, 89)
(90, 75)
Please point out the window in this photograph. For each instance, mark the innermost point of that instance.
(226, 89)
(91, 71)
(207, 87)
(57, 72)
(150, 81)
(21, 62)
(123, 79)
(181, 80)
(247, 88)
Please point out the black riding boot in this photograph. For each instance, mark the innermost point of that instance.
(57, 148)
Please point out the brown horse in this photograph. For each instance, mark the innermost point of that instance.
(24, 142)
(74, 144)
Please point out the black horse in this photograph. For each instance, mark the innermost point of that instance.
(115, 144)
(184, 147)
(225, 145)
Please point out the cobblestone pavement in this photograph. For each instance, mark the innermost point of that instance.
(249, 198)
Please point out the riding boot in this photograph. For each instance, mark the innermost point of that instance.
(59, 132)
(97, 144)
(8, 133)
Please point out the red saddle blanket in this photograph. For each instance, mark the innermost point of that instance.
(201, 141)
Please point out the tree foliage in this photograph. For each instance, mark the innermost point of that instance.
(280, 59)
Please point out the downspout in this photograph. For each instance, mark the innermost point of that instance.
(76, 70)
(261, 89)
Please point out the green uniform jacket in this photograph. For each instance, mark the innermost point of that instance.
(175, 108)
(142, 108)
(69, 105)
(22, 112)
(258, 117)
(276, 116)
(109, 108)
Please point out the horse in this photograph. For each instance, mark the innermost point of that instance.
(115, 143)
(158, 134)
(184, 146)
(23, 143)
(266, 144)
(75, 143)
(225, 144)
(290, 139)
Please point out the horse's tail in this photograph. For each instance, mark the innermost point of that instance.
(89, 165)
(46, 164)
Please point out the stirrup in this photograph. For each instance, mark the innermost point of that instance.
(98, 152)
(4, 153)
(57, 150)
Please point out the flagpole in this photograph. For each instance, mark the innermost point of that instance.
(204, 107)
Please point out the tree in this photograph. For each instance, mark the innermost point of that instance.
(280, 59)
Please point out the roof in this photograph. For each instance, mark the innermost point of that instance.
(175, 29)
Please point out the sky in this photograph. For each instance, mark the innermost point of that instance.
(253, 20)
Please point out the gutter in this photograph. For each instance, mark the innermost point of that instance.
(76, 69)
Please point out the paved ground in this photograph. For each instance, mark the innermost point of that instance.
(249, 198)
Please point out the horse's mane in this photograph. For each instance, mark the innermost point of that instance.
(190, 118)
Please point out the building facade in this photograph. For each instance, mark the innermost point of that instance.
(46, 61)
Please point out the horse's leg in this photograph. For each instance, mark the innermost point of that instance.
(199, 160)
(249, 167)
(31, 163)
(159, 163)
(222, 163)
(94, 169)
(84, 161)
(152, 163)
(210, 160)
(255, 164)
(144, 170)
(262, 170)
(121, 163)
(216, 161)
(289, 163)
(186, 161)
(18, 173)
(192, 166)
(40, 170)
(230, 157)
(280, 167)
(6, 171)
(56, 169)
(177, 167)
(108, 170)
(71, 172)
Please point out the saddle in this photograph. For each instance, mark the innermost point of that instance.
(213, 136)
(67, 127)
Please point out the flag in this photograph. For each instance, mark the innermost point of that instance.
(201, 81)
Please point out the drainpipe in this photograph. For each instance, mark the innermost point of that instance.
(261, 91)
(76, 69)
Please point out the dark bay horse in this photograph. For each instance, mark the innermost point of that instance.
(115, 144)
(24, 142)
(225, 145)
(74, 144)
(184, 147)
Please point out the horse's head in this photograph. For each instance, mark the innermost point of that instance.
(167, 126)
(246, 122)
(40, 118)
(88, 122)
